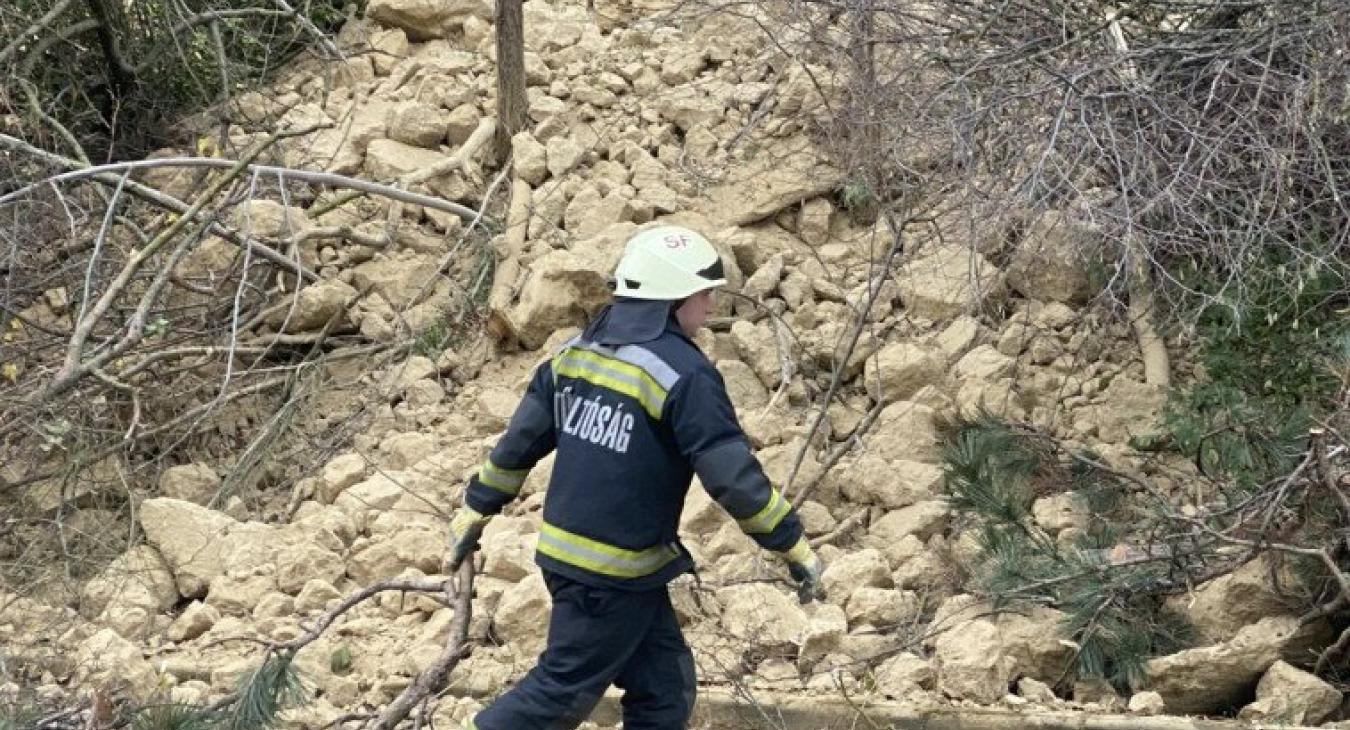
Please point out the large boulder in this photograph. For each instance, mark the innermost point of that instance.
(522, 612)
(981, 651)
(905, 430)
(114, 664)
(195, 483)
(853, 570)
(780, 178)
(1217, 607)
(1051, 263)
(971, 665)
(137, 577)
(764, 614)
(903, 676)
(317, 304)
(1289, 695)
(1217, 677)
(423, 19)
(946, 281)
(397, 280)
(191, 538)
(869, 479)
(901, 369)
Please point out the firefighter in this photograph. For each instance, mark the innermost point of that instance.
(634, 410)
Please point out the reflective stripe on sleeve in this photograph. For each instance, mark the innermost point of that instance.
(598, 557)
(507, 481)
(765, 520)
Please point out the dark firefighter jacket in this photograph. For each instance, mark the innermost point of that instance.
(634, 409)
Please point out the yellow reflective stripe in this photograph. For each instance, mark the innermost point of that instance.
(767, 518)
(598, 557)
(508, 481)
(615, 375)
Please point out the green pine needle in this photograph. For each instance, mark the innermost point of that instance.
(263, 694)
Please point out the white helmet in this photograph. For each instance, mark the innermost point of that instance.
(667, 263)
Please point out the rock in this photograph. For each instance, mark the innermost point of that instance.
(1097, 691)
(388, 160)
(881, 608)
(904, 676)
(298, 564)
(743, 385)
(869, 479)
(922, 520)
(338, 474)
(402, 450)
(1128, 408)
(1209, 679)
(758, 348)
(264, 218)
(945, 281)
(853, 570)
(971, 665)
(396, 280)
(190, 538)
(236, 594)
(1063, 511)
(764, 281)
(196, 483)
(984, 363)
(417, 124)
(1146, 703)
(689, 108)
(905, 430)
(562, 153)
(386, 558)
(509, 545)
(900, 369)
(523, 610)
(460, 123)
(196, 619)
(564, 289)
(769, 183)
(1051, 263)
(825, 633)
(114, 664)
(380, 492)
(139, 577)
(682, 64)
(1288, 695)
(1035, 691)
(318, 303)
(813, 221)
(529, 158)
(1219, 606)
(315, 596)
(763, 614)
(422, 20)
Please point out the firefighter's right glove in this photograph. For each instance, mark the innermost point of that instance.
(465, 529)
(806, 568)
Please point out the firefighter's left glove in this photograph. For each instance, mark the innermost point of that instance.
(465, 529)
(806, 569)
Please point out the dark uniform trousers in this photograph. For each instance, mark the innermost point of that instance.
(598, 637)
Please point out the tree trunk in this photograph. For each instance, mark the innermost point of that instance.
(511, 102)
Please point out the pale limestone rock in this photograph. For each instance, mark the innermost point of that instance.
(922, 520)
(866, 567)
(379, 492)
(682, 64)
(1146, 703)
(509, 546)
(946, 281)
(1035, 691)
(562, 154)
(523, 610)
(770, 182)
(1063, 511)
(1207, 679)
(402, 450)
(1289, 695)
(421, 19)
(825, 632)
(264, 218)
(564, 289)
(757, 346)
(905, 430)
(813, 221)
(970, 664)
(689, 107)
(338, 474)
(460, 123)
(299, 563)
(139, 577)
(316, 304)
(417, 124)
(904, 676)
(396, 280)
(196, 619)
(881, 607)
(389, 46)
(315, 596)
(529, 158)
(1051, 263)
(891, 484)
(702, 516)
(388, 160)
(392, 554)
(190, 538)
(1219, 606)
(983, 363)
(900, 369)
(236, 594)
(763, 614)
(816, 518)
(764, 281)
(196, 483)
(1097, 692)
(108, 661)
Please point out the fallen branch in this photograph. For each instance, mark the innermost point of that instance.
(508, 263)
